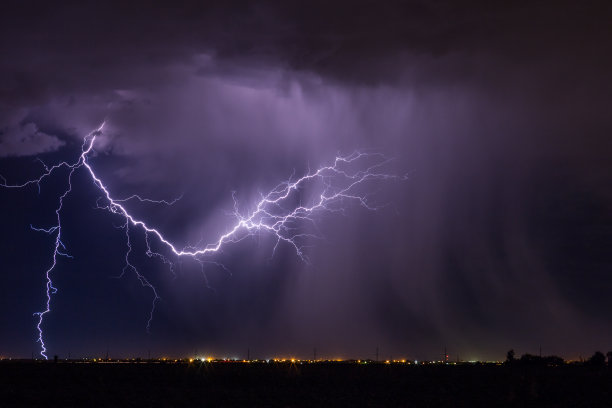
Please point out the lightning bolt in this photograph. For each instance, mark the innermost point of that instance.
(278, 212)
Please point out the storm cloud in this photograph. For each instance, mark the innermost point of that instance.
(499, 238)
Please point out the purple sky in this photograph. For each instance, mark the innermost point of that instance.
(499, 239)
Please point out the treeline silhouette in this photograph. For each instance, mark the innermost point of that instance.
(597, 360)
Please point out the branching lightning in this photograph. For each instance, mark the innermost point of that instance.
(277, 213)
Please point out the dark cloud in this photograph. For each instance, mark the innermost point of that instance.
(26, 140)
(499, 112)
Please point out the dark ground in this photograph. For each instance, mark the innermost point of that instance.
(296, 385)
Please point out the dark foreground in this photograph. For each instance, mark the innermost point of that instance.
(300, 385)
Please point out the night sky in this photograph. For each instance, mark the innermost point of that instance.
(499, 238)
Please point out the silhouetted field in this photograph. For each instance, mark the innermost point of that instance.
(300, 385)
